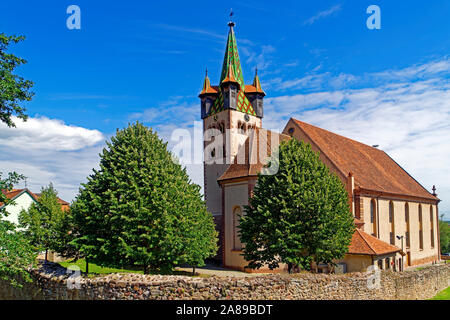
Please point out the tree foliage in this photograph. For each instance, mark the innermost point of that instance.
(444, 235)
(41, 219)
(140, 208)
(16, 253)
(298, 215)
(13, 88)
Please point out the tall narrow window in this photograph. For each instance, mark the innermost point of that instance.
(408, 242)
(373, 217)
(237, 212)
(420, 228)
(432, 226)
(391, 222)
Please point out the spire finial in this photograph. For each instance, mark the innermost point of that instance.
(434, 190)
(206, 71)
(231, 23)
(256, 70)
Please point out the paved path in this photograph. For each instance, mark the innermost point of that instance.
(213, 270)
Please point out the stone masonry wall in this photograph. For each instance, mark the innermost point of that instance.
(409, 285)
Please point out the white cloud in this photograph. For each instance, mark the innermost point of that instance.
(47, 134)
(417, 71)
(323, 14)
(48, 150)
(261, 60)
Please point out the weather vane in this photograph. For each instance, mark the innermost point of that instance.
(231, 23)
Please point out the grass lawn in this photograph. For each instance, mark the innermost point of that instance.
(443, 295)
(99, 270)
(95, 269)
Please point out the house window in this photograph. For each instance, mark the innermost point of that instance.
(420, 228)
(237, 212)
(432, 226)
(408, 243)
(373, 216)
(388, 263)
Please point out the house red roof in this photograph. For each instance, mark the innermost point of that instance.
(64, 204)
(363, 243)
(14, 193)
(372, 168)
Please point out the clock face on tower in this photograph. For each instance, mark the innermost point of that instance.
(247, 117)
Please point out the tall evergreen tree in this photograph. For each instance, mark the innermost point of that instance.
(40, 220)
(140, 207)
(298, 215)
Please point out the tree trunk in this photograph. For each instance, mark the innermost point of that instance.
(46, 255)
(193, 271)
(87, 266)
(290, 268)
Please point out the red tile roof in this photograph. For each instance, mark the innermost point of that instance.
(252, 164)
(372, 168)
(363, 243)
(250, 88)
(12, 194)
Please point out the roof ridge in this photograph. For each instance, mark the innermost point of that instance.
(365, 240)
(339, 135)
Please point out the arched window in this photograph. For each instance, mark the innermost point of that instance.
(432, 226)
(408, 242)
(373, 217)
(391, 221)
(237, 213)
(420, 228)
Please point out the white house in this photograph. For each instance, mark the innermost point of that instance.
(23, 198)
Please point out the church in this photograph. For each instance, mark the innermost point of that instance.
(396, 218)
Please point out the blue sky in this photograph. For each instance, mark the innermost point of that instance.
(145, 60)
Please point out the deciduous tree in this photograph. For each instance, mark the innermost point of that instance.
(444, 232)
(13, 88)
(16, 253)
(140, 208)
(298, 215)
(41, 219)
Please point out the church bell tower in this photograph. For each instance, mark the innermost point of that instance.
(229, 111)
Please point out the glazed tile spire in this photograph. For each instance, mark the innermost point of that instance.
(232, 73)
(231, 67)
